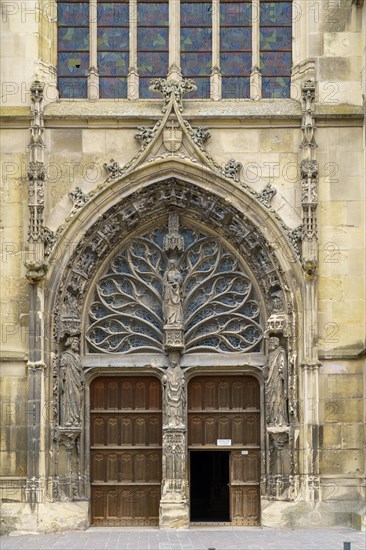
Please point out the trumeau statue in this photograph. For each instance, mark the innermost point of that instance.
(173, 310)
(71, 384)
(174, 384)
(276, 384)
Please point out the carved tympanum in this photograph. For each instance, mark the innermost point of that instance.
(202, 291)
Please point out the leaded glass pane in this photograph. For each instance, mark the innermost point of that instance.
(276, 39)
(276, 13)
(153, 14)
(153, 63)
(276, 86)
(113, 14)
(73, 48)
(275, 63)
(236, 39)
(196, 39)
(71, 39)
(72, 14)
(72, 88)
(236, 63)
(235, 14)
(195, 14)
(152, 43)
(196, 64)
(203, 88)
(73, 63)
(153, 39)
(113, 63)
(235, 86)
(235, 48)
(113, 48)
(113, 39)
(275, 48)
(196, 45)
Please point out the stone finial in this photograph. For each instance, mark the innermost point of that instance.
(173, 88)
(232, 169)
(266, 195)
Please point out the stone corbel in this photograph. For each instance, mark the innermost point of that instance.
(36, 271)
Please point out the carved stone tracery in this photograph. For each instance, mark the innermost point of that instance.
(200, 292)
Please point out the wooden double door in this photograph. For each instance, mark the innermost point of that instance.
(125, 453)
(224, 448)
(126, 450)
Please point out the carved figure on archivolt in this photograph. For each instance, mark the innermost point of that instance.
(173, 311)
(174, 384)
(276, 389)
(71, 384)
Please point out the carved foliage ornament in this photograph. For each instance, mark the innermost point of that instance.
(218, 310)
(173, 88)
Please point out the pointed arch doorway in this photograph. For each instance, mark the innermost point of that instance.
(175, 296)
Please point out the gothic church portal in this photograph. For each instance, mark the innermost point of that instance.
(183, 331)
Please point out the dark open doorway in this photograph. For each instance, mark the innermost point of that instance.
(210, 486)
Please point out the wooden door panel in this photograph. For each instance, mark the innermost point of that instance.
(245, 505)
(228, 407)
(245, 468)
(125, 456)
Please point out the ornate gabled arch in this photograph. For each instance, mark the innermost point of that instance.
(248, 234)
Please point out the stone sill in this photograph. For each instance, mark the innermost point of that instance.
(236, 111)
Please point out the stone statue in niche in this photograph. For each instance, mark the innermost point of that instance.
(276, 384)
(71, 384)
(174, 384)
(173, 310)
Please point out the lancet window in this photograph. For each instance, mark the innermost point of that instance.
(231, 49)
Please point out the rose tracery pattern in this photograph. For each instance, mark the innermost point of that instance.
(220, 312)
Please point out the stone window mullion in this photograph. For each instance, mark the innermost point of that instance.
(93, 77)
(133, 75)
(174, 72)
(255, 76)
(215, 84)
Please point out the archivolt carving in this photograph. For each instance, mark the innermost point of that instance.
(138, 297)
(116, 223)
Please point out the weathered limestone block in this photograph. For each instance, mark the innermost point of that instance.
(46, 518)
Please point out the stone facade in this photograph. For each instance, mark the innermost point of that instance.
(277, 184)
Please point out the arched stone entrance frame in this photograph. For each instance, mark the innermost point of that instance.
(233, 216)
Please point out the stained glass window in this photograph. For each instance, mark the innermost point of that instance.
(275, 47)
(196, 44)
(235, 48)
(73, 48)
(152, 43)
(222, 43)
(113, 48)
